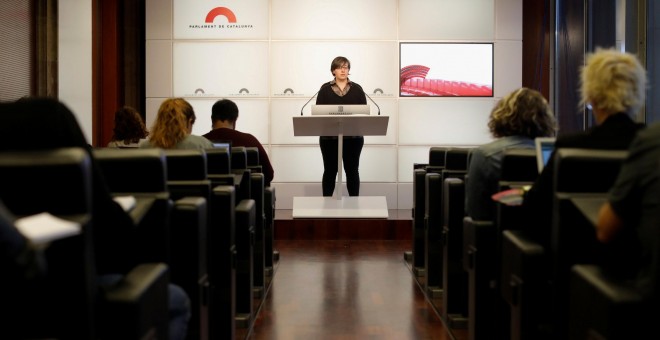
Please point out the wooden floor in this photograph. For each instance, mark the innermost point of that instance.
(345, 289)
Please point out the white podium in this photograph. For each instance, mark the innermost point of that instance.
(340, 207)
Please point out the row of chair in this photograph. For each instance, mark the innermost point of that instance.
(203, 217)
(495, 277)
(239, 211)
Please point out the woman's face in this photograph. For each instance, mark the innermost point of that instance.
(341, 73)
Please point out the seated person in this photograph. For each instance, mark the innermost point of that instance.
(173, 127)
(628, 221)
(631, 214)
(129, 129)
(113, 229)
(613, 84)
(515, 121)
(224, 115)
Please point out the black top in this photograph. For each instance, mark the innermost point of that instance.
(615, 133)
(635, 198)
(327, 95)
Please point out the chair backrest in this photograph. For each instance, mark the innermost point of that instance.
(186, 164)
(218, 161)
(56, 181)
(252, 156)
(60, 304)
(437, 156)
(457, 159)
(519, 165)
(586, 170)
(133, 170)
(239, 158)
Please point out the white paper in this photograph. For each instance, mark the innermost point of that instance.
(44, 227)
(126, 202)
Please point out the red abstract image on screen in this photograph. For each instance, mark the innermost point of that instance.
(446, 70)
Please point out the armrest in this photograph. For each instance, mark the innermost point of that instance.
(137, 307)
(604, 307)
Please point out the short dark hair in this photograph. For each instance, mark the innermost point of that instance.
(224, 110)
(339, 62)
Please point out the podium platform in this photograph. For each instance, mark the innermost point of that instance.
(339, 206)
(348, 207)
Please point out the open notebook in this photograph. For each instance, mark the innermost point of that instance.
(544, 148)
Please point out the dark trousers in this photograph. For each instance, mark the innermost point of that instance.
(351, 159)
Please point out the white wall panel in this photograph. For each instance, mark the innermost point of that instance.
(405, 196)
(450, 121)
(305, 164)
(74, 61)
(297, 163)
(508, 19)
(446, 20)
(407, 157)
(377, 164)
(339, 19)
(282, 113)
(304, 66)
(508, 69)
(251, 19)
(277, 54)
(158, 19)
(221, 69)
(152, 106)
(158, 68)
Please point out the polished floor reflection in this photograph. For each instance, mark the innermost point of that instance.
(345, 290)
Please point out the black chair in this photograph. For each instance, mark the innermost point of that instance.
(572, 238)
(68, 303)
(488, 312)
(524, 285)
(269, 210)
(245, 233)
(141, 173)
(604, 307)
(433, 260)
(418, 253)
(259, 251)
(221, 248)
(189, 267)
(218, 161)
(455, 279)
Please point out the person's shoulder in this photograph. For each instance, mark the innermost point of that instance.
(200, 140)
(144, 143)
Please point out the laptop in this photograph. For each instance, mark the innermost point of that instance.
(222, 144)
(354, 109)
(544, 148)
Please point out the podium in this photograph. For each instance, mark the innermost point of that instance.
(340, 207)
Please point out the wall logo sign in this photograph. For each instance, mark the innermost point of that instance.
(228, 14)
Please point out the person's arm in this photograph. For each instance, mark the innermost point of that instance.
(609, 224)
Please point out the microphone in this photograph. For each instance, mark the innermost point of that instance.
(365, 93)
(310, 99)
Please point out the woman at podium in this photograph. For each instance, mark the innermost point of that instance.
(341, 90)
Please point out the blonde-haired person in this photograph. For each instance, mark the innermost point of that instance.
(515, 121)
(173, 127)
(129, 129)
(613, 84)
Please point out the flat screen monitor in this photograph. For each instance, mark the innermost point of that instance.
(356, 109)
(438, 69)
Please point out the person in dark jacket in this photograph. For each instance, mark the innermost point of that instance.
(613, 84)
